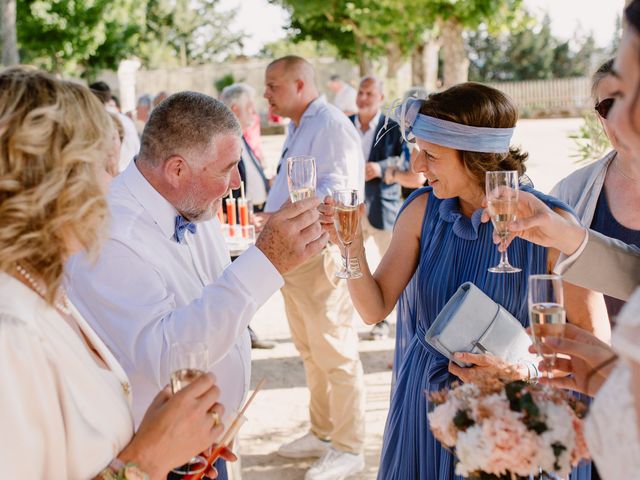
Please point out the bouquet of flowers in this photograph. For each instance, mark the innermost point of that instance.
(507, 431)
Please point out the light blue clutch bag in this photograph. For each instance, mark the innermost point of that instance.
(473, 322)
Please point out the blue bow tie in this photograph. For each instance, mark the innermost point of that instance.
(183, 224)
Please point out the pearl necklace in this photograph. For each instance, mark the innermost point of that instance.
(62, 306)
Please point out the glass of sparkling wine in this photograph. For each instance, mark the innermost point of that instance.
(546, 308)
(301, 174)
(502, 198)
(346, 220)
(187, 361)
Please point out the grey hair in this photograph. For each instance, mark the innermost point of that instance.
(182, 123)
(233, 93)
(372, 78)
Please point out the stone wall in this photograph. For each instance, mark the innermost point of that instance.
(201, 78)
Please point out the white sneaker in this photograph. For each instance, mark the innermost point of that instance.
(306, 446)
(336, 465)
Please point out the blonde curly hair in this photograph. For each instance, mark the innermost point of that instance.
(54, 141)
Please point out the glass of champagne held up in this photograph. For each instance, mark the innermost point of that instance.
(301, 174)
(187, 361)
(346, 219)
(546, 308)
(502, 199)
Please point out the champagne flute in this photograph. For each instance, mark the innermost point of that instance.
(546, 307)
(502, 198)
(346, 221)
(301, 174)
(187, 361)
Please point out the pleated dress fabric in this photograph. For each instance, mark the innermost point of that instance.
(453, 249)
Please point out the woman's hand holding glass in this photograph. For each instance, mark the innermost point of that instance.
(175, 427)
(539, 224)
(502, 197)
(585, 361)
(188, 361)
(328, 221)
(546, 308)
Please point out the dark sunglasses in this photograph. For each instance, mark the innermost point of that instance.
(603, 107)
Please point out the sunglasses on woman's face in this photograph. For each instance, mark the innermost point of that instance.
(604, 106)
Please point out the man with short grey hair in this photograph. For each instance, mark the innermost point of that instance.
(164, 274)
(239, 99)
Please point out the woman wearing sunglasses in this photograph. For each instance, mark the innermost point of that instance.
(611, 373)
(605, 194)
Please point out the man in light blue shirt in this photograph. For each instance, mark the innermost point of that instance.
(318, 305)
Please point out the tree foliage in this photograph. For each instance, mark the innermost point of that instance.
(76, 37)
(530, 52)
(370, 29)
(358, 29)
(497, 15)
(79, 37)
(302, 48)
(186, 32)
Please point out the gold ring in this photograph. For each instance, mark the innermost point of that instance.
(216, 418)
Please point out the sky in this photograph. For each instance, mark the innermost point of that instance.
(263, 21)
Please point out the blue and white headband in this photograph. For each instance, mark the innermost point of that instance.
(445, 133)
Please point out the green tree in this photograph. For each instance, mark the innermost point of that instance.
(455, 17)
(76, 37)
(576, 63)
(187, 32)
(303, 48)
(80, 37)
(530, 52)
(360, 30)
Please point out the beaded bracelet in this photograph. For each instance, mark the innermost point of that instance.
(354, 263)
(118, 470)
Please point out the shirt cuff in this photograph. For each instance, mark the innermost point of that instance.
(565, 262)
(254, 270)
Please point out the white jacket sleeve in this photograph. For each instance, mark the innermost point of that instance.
(32, 438)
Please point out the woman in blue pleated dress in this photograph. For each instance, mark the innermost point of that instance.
(438, 243)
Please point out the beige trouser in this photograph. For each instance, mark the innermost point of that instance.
(320, 315)
(382, 238)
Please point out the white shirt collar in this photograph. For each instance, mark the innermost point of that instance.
(372, 124)
(163, 213)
